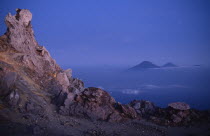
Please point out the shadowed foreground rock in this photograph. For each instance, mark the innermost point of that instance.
(96, 104)
(37, 97)
(176, 114)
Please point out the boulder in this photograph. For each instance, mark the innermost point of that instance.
(126, 110)
(176, 114)
(67, 91)
(93, 103)
(179, 106)
(143, 108)
(76, 84)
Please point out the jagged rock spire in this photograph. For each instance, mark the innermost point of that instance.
(19, 31)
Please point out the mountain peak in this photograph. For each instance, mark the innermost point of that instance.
(169, 64)
(144, 65)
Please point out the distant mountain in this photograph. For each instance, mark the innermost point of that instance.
(169, 64)
(144, 65)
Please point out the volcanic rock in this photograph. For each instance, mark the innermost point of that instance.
(179, 106)
(8, 83)
(19, 32)
(96, 104)
(143, 108)
(68, 73)
(93, 103)
(63, 80)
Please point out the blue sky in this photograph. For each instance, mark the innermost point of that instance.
(119, 32)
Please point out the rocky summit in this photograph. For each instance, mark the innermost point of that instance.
(37, 97)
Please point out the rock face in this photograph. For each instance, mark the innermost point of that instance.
(20, 33)
(20, 42)
(176, 114)
(31, 79)
(63, 81)
(143, 108)
(8, 82)
(179, 106)
(96, 104)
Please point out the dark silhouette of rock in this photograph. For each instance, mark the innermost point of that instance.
(177, 114)
(169, 64)
(144, 65)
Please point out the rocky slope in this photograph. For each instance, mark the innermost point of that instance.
(37, 97)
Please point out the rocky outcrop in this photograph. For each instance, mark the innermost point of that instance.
(143, 108)
(179, 106)
(35, 74)
(63, 81)
(19, 33)
(96, 104)
(29, 77)
(126, 111)
(22, 47)
(174, 117)
(176, 114)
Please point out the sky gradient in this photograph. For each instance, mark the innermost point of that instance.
(119, 32)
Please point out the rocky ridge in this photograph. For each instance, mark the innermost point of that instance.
(34, 90)
(29, 67)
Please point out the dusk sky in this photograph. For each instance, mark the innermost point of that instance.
(119, 32)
